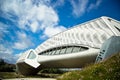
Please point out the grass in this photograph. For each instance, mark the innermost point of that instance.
(6, 75)
(107, 70)
(9, 75)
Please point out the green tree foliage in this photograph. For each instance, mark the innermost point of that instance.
(5, 67)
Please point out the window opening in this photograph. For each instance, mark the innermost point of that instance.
(76, 49)
(69, 50)
(31, 55)
(54, 51)
(83, 49)
(117, 28)
(57, 51)
(64, 50)
(109, 19)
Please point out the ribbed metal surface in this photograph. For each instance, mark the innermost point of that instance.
(92, 34)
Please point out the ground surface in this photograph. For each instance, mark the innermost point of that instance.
(31, 79)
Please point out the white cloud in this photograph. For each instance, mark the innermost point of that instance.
(6, 53)
(31, 16)
(58, 3)
(94, 6)
(23, 42)
(41, 17)
(3, 30)
(3, 27)
(10, 8)
(34, 26)
(50, 31)
(36, 16)
(79, 7)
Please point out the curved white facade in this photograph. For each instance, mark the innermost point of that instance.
(58, 51)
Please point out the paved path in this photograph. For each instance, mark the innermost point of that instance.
(31, 79)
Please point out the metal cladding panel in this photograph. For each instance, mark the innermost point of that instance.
(109, 47)
(92, 34)
(23, 56)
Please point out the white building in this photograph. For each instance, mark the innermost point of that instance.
(73, 48)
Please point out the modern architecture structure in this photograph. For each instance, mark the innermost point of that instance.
(109, 47)
(73, 48)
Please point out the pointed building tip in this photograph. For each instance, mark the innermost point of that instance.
(105, 17)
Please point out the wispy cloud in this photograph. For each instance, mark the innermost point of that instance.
(29, 16)
(32, 15)
(79, 7)
(39, 18)
(95, 5)
(24, 41)
(58, 3)
(82, 6)
(3, 30)
(6, 53)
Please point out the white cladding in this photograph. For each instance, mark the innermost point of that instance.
(91, 34)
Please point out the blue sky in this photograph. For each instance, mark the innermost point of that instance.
(24, 24)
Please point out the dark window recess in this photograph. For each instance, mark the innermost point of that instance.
(99, 58)
(99, 54)
(109, 19)
(103, 50)
(117, 28)
(63, 50)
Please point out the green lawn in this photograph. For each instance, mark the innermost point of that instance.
(106, 70)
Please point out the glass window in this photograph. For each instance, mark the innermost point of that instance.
(76, 49)
(69, 50)
(44, 53)
(47, 53)
(57, 51)
(53, 52)
(83, 49)
(41, 53)
(63, 51)
(50, 53)
(117, 28)
(31, 55)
